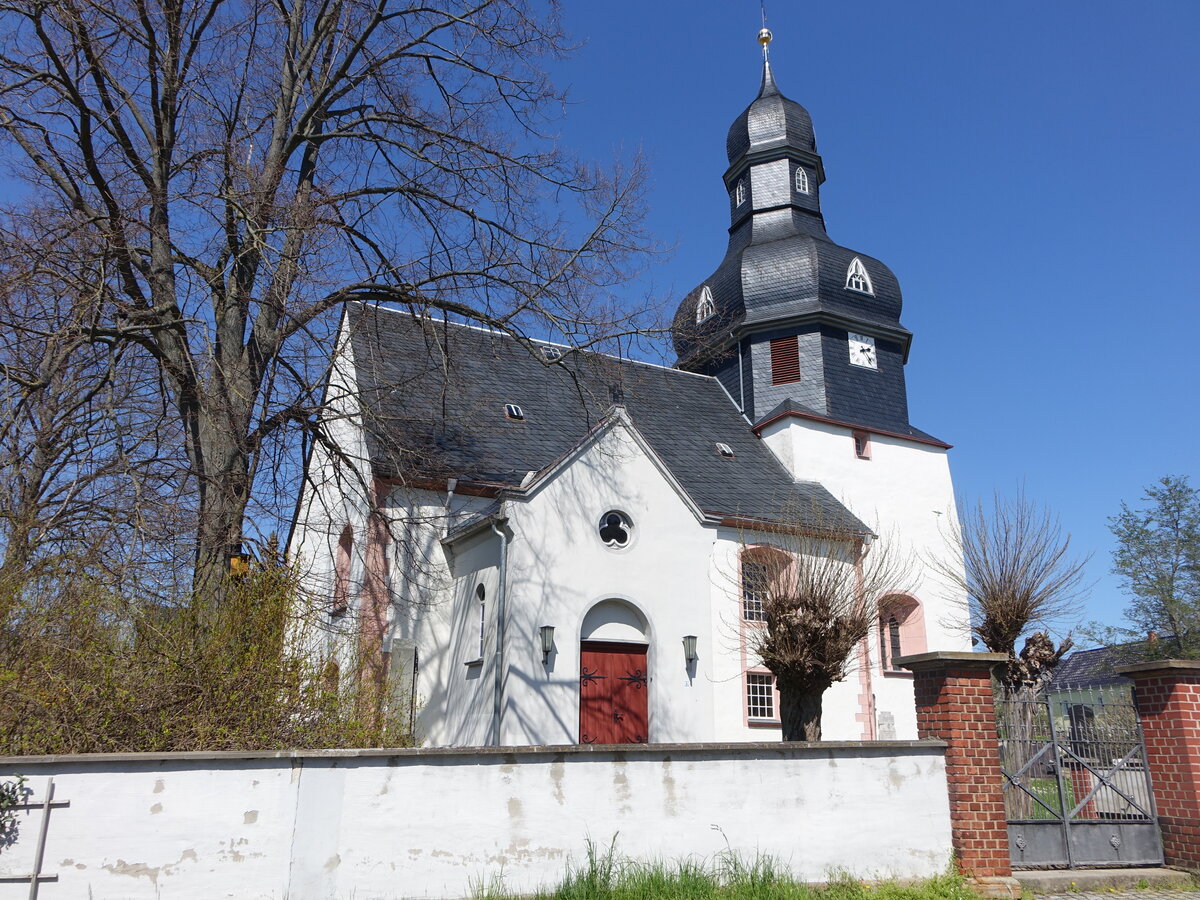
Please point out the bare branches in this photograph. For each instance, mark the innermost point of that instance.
(242, 167)
(1017, 573)
(819, 600)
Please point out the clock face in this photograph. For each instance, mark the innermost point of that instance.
(862, 351)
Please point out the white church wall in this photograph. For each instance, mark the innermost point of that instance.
(905, 494)
(334, 496)
(435, 610)
(559, 568)
(843, 704)
(439, 824)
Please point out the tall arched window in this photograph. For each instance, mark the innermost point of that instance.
(705, 307)
(740, 193)
(801, 180)
(901, 630)
(340, 601)
(481, 596)
(857, 278)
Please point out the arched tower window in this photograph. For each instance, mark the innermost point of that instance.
(801, 180)
(901, 630)
(340, 601)
(740, 193)
(857, 278)
(705, 308)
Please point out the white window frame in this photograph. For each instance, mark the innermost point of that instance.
(758, 679)
(740, 192)
(801, 180)
(858, 279)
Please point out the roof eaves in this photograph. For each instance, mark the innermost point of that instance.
(776, 414)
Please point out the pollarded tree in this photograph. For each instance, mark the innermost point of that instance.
(818, 596)
(244, 167)
(1017, 574)
(1158, 559)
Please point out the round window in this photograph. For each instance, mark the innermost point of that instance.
(615, 528)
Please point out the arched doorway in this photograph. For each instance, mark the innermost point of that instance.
(614, 682)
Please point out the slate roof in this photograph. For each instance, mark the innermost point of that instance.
(1097, 667)
(770, 121)
(434, 400)
(1090, 668)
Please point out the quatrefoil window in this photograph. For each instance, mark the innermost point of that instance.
(615, 528)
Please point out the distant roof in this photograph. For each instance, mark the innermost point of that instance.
(434, 398)
(1090, 668)
(1096, 667)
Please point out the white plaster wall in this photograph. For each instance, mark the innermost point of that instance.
(435, 606)
(367, 824)
(559, 569)
(334, 494)
(904, 493)
(840, 704)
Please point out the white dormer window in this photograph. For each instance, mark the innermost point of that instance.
(740, 193)
(705, 308)
(801, 181)
(857, 278)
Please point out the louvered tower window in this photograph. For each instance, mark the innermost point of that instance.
(785, 360)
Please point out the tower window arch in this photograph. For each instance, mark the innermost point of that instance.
(901, 629)
(705, 308)
(857, 278)
(739, 193)
(801, 180)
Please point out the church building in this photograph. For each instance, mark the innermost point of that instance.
(548, 546)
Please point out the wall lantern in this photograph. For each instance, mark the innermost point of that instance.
(546, 632)
(689, 648)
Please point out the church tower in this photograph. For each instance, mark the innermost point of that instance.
(792, 322)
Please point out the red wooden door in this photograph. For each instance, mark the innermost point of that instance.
(613, 693)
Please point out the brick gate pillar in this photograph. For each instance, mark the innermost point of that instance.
(953, 693)
(1167, 693)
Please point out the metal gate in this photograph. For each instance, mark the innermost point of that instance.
(1076, 788)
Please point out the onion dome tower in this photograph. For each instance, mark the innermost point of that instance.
(791, 321)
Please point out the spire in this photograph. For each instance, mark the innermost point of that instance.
(768, 88)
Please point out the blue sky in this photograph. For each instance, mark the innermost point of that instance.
(1028, 170)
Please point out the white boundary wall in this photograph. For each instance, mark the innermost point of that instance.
(434, 823)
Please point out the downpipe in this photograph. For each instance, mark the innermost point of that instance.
(501, 622)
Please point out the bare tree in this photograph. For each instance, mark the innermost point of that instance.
(81, 455)
(1017, 573)
(819, 600)
(243, 167)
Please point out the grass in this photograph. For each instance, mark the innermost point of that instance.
(606, 876)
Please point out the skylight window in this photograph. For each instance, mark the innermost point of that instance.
(512, 411)
(705, 307)
(801, 181)
(857, 278)
(724, 449)
(551, 353)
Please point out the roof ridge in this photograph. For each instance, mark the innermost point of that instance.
(505, 334)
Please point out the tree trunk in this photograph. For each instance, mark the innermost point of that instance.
(224, 493)
(800, 713)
